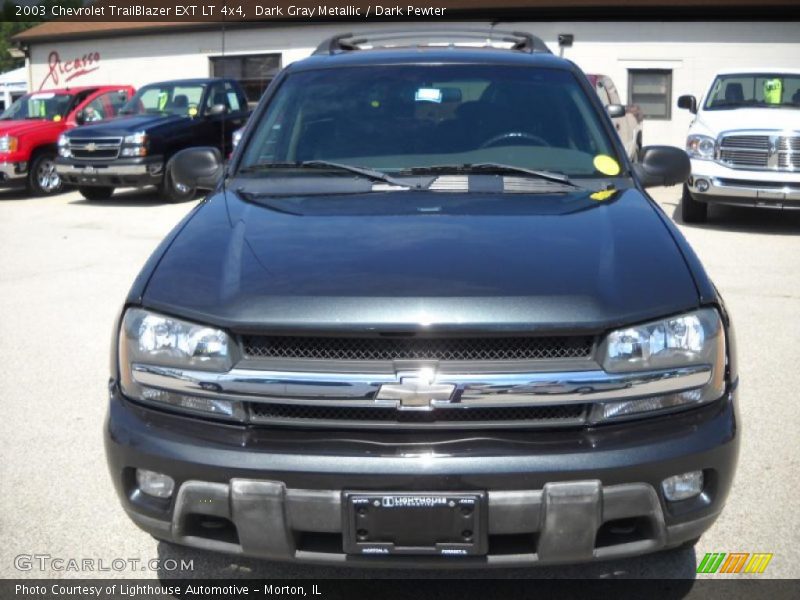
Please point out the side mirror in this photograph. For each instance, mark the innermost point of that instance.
(80, 117)
(688, 102)
(615, 110)
(662, 165)
(217, 109)
(197, 168)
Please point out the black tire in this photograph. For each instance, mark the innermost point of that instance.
(692, 211)
(42, 177)
(96, 193)
(173, 192)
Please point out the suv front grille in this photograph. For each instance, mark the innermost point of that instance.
(106, 148)
(761, 152)
(418, 348)
(358, 417)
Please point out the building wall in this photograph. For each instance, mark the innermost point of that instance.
(693, 51)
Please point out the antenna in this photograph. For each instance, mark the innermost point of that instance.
(224, 120)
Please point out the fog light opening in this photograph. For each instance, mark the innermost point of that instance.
(702, 185)
(155, 484)
(683, 486)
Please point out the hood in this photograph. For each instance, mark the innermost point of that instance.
(24, 126)
(713, 122)
(126, 125)
(412, 260)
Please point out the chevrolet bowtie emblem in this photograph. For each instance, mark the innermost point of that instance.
(416, 391)
(91, 147)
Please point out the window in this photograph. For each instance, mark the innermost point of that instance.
(651, 89)
(105, 106)
(182, 100)
(223, 93)
(773, 90)
(252, 71)
(400, 117)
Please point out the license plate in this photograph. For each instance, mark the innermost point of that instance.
(440, 523)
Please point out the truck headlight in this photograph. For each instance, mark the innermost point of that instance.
(701, 146)
(135, 144)
(63, 146)
(687, 341)
(148, 339)
(8, 143)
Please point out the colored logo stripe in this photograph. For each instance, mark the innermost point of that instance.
(736, 562)
(758, 562)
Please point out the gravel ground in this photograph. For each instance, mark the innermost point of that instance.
(66, 265)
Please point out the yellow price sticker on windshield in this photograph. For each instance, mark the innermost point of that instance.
(602, 195)
(606, 165)
(57, 118)
(192, 111)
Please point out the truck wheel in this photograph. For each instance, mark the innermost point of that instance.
(96, 193)
(43, 179)
(692, 211)
(172, 191)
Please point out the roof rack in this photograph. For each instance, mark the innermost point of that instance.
(347, 42)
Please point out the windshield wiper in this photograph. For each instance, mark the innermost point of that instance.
(366, 172)
(497, 168)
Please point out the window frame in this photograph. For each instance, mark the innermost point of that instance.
(213, 60)
(668, 94)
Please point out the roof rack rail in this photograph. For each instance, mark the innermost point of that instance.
(347, 42)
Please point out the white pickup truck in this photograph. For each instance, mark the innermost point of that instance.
(744, 142)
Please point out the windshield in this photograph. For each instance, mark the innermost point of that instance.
(772, 90)
(42, 105)
(398, 118)
(165, 99)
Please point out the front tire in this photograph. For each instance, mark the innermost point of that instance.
(96, 193)
(43, 180)
(174, 192)
(692, 211)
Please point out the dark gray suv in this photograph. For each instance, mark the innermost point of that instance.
(427, 316)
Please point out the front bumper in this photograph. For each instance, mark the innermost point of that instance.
(553, 497)
(712, 182)
(11, 172)
(133, 172)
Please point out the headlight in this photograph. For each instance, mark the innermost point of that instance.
(63, 146)
(8, 143)
(139, 138)
(149, 340)
(701, 146)
(692, 341)
(134, 145)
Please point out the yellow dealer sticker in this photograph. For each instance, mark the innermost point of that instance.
(603, 195)
(192, 111)
(606, 165)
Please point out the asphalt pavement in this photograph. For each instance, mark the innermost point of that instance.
(65, 267)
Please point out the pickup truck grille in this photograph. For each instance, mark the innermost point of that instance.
(768, 151)
(452, 418)
(404, 348)
(106, 148)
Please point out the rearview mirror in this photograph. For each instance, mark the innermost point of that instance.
(217, 109)
(662, 165)
(688, 102)
(615, 110)
(199, 168)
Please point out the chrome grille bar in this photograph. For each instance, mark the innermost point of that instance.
(469, 391)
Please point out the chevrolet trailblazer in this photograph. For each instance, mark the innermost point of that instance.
(427, 316)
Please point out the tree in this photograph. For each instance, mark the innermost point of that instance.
(12, 25)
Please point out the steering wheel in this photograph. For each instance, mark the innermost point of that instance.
(515, 135)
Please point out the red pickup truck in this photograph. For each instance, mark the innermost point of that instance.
(30, 127)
